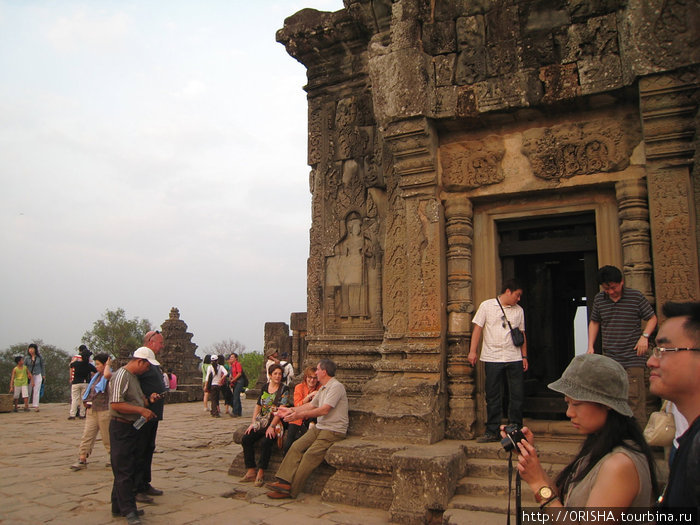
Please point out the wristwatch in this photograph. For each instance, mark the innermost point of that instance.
(645, 335)
(545, 493)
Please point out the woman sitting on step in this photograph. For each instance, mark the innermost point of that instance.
(615, 467)
(265, 425)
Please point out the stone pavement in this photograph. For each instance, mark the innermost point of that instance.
(191, 462)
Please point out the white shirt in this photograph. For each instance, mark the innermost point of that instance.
(497, 345)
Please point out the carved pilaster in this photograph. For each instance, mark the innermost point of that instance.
(412, 354)
(461, 409)
(669, 105)
(633, 212)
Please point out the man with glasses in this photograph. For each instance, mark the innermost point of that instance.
(675, 375)
(618, 312)
(330, 406)
(151, 383)
(503, 361)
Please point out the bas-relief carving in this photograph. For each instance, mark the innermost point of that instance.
(576, 149)
(469, 165)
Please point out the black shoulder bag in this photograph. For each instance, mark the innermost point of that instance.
(515, 333)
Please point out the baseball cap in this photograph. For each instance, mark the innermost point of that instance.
(146, 353)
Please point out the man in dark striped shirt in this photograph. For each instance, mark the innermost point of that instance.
(619, 311)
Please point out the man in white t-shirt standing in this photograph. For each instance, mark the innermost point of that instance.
(503, 361)
(330, 406)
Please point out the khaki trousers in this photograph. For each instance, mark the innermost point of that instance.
(94, 422)
(304, 456)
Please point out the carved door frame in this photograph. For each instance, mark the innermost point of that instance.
(487, 269)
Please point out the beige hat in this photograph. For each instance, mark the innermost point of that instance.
(146, 353)
(595, 378)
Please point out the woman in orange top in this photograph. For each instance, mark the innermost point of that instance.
(303, 393)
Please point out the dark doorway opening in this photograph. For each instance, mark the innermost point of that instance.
(555, 259)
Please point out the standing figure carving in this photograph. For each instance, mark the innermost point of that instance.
(346, 271)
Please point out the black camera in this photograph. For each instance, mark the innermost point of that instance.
(513, 436)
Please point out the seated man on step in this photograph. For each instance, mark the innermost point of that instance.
(330, 407)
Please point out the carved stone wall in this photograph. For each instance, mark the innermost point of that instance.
(421, 111)
(669, 105)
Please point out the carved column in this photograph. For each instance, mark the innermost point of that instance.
(461, 409)
(668, 106)
(633, 212)
(406, 400)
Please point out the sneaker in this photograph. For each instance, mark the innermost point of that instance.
(80, 465)
(133, 518)
(143, 498)
(150, 490)
(488, 438)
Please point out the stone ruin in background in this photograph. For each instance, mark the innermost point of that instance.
(277, 338)
(178, 354)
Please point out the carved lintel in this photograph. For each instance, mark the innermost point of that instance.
(576, 149)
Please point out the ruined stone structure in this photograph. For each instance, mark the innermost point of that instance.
(457, 143)
(178, 354)
(277, 339)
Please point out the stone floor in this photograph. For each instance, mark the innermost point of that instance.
(191, 462)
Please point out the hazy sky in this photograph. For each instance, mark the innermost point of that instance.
(152, 154)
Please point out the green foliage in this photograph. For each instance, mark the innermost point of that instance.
(114, 333)
(56, 361)
(252, 363)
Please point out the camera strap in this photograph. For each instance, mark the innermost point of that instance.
(518, 502)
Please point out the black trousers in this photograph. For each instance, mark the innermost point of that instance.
(248, 443)
(143, 471)
(126, 447)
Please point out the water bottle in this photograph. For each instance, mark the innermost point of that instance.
(139, 422)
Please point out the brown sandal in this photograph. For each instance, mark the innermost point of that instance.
(247, 479)
(260, 481)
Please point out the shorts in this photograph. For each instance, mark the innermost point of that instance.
(24, 390)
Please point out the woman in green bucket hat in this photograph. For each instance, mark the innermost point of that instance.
(615, 467)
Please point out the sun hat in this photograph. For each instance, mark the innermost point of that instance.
(146, 353)
(215, 358)
(595, 378)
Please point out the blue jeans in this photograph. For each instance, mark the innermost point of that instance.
(496, 374)
(237, 389)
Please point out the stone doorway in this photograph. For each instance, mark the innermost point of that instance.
(555, 258)
(543, 220)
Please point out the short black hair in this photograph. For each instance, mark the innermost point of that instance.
(691, 310)
(18, 358)
(512, 285)
(327, 365)
(102, 357)
(609, 274)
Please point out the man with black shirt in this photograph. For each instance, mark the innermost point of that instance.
(675, 375)
(151, 383)
(82, 373)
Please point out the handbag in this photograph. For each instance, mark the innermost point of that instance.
(515, 333)
(661, 428)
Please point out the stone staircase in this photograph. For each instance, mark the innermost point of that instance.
(481, 496)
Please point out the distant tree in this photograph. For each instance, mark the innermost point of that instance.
(114, 332)
(56, 360)
(226, 348)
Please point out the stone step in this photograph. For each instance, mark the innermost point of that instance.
(486, 488)
(498, 468)
(491, 504)
(471, 517)
(549, 450)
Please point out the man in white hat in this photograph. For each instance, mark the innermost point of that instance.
(151, 383)
(127, 403)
